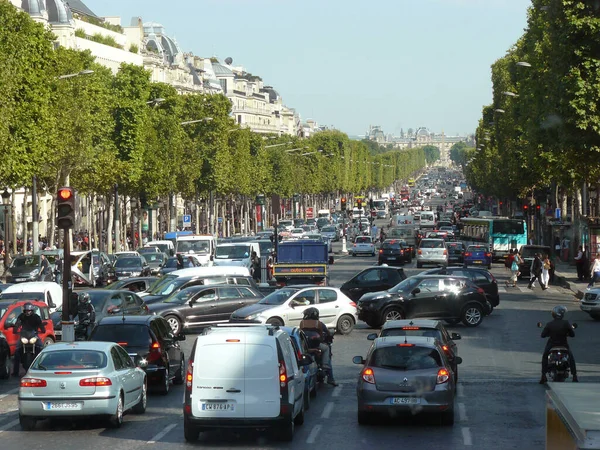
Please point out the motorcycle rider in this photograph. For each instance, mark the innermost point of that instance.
(28, 320)
(86, 313)
(311, 322)
(557, 332)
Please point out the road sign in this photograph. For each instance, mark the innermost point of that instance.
(220, 219)
(309, 212)
(557, 213)
(187, 221)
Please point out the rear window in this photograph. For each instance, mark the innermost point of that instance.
(391, 245)
(363, 240)
(412, 331)
(425, 243)
(70, 359)
(37, 296)
(477, 248)
(405, 358)
(126, 335)
(230, 356)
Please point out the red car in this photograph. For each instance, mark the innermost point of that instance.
(10, 310)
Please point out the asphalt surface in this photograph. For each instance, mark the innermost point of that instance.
(499, 404)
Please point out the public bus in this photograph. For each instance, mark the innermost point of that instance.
(500, 233)
(411, 182)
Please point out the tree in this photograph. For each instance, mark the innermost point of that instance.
(432, 153)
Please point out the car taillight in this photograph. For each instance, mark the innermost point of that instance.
(420, 252)
(380, 251)
(445, 252)
(368, 375)
(488, 255)
(353, 304)
(445, 348)
(95, 381)
(155, 353)
(480, 291)
(33, 383)
(443, 376)
(282, 374)
(354, 245)
(122, 344)
(468, 254)
(189, 375)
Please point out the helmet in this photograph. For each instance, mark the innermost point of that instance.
(84, 298)
(311, 314)
(558, 312)
(28, 308)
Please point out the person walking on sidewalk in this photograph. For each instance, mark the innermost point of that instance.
(514, 268)
(595, 271)
(536, 271)
(580, 263)
(546, 265)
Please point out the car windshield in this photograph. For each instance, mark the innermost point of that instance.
(71, 359)
(363, 240)
(431, 243)
(153, 257)
(25, 261)
(126, 335)
(278, 297)
(508, 227)
(406, 285)
(39, 296)
(167, 285)
(148, 250)
(184, 295)
(412, 331)
(198, 246)
(124, 263)
(233, 252)
(405, 358)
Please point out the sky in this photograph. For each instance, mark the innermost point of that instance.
(349, 64)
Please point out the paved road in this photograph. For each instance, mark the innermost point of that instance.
(499, 404)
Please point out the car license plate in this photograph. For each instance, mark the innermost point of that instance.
(391, 258)
(62, 406)
(218, 407)
(19, 280)
(405, 401)
(477, 262)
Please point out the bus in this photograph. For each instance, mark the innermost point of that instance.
(411, 182)
(500, 233)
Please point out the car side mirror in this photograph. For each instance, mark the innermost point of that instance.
(52, 305)
(458, 360)
(574, 325)
(455, 336)
(539, 325)
(372, 336)
(415, 291)
(191, 303)
(358, 360)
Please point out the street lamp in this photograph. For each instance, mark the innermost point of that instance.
(76, 74)
(510, 94)
(6, 208)
(155, 101)
(523, 64)
(499, 111)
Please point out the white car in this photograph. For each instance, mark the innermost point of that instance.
(297, 232)
(285, 307)
(363, 245)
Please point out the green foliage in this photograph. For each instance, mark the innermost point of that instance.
(432, 153)
(80, 32)
(134, 48)
(100, 23)
(374, 147)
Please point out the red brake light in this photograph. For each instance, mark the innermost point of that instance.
(480, 291)
(232, 340)
(353, 304)
(405, 345)
(189, 376)
(122, 344)
(488, 255)
(63, 373)
(33, 383)
(443, 376)
(282, 374)
(380, 251)
(95, 381)
(155, 346)
(445, 348)
(468, 254)
(445, 252)
(410, 328)
(420, 252)
(368, 375)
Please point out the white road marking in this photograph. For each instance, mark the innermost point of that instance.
(337, 391)
(327, 410)
(462, 412)
(162, 434)
(460, 390)
(9, 425)
(7, 393)
(312, 437)
(466, 432)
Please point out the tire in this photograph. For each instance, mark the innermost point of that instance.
(353, 254)
(275, 321)
(174, 323)
(472, 316)
(299, 419)
(190, 432)
(48, 341)
(490, 267)
(419, 265)
(140, 408)
(345, 324)
(306, 400)
(595, 316)
(372, 324)
(447, 418)
(286, 433)
(5, 367)
(116, 420)
(392, 314)
(27, 423)
(179, 377)
(363, 418)
(165, 387)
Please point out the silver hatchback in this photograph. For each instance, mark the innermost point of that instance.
(432, 251)
(406, 374)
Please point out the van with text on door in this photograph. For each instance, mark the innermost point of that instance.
(244, 376)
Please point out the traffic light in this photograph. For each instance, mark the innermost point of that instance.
(525, 209)
(343, 203)
(538, 210)
(359, 203)
(66, 208)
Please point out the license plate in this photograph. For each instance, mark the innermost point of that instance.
(19, 280)
(478, 262)
(218, 407)
(62, 406)
(392, 258)
(405, 400)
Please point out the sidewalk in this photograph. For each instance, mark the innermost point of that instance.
(565, 275)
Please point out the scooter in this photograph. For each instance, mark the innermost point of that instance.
(558, 362)
(81, 331)
(29, 350)
(314, 340)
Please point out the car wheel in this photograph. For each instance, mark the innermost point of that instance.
(299, 420)
(116, 419)
(276, 322)
(313, 393)
(179, 378)
(595, 316)
(353, 254)
(490, 267)
(27, 423)
(175, 324)
(393, 314)
(140, 408)
(345, 324)
(472, 316)
(190, 432)
(166, 383)
(364, 418)
(447, 417)
(48, 341)
(5, 367)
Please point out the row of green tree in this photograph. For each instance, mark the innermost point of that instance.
(99, 129)
(543, 126)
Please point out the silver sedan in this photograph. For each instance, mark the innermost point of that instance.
(81, 379)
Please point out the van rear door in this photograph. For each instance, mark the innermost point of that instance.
(219, 373)
(262, 377)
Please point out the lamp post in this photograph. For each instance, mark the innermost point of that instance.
(6, 208)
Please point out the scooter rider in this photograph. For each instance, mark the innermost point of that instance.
(310, 322)
(557, 332)
(28, 320)
(86, 314)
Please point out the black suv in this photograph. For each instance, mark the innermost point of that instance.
(452, 299)
(456, 252)
(150, 342)
(394, 251)
(372, 279)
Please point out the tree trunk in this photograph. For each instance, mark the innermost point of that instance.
(24, 221)
(109, 225)
(95, 224)
(52, 223)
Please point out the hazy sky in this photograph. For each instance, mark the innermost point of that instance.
(350, 63)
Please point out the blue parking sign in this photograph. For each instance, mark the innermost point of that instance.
(187, 220)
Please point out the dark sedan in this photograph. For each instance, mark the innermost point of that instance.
(169, 266)
(372, 279)
(131, 266)
(393, 252)
(452, 299)
(4, 358)
(479, 276)
(26, 268)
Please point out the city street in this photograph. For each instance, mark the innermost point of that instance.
(498, 390)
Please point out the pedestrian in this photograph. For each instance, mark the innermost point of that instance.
(536, 271)
(256, 269)
(595, 271)
(44, 268)
(546, 265)
(514, 259)
(179, 261)
(557, 246)
(509, 259)
(580, 263)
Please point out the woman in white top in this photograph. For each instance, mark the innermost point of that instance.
(595, 271)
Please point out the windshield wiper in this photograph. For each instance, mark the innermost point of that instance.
(39, 366)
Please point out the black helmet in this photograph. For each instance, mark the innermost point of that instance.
(558, 312)
(84, 298)
(28, 308)
(311, 314)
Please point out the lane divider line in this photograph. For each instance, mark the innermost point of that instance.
(312, 437)
(162, 434)
(460, 390)
(9, 425)
(337, 390)
(327, 410)
(466, 433)
(462, 412)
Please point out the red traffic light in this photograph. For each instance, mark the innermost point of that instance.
(525, 207)
(537, 207)
(65, 194)
(344, 200)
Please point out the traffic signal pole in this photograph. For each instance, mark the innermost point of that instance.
(66, 220)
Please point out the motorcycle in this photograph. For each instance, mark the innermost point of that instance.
(81, 331)
(558, 362)
(314, 340)
(29, 349)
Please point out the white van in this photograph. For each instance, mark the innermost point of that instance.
(166, 247)
(324, 213)
(236, 254)
(427, 219)
(203, 246)
(44, 291)
(243, 377)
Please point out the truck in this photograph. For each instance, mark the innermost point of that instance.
(573, 416)
(304, 261)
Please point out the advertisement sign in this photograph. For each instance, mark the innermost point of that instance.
(310, 214)
(259, 215)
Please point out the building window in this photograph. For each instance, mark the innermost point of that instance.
(239, 119)
(223, 85)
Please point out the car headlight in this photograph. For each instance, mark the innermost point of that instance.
(252, 316)
(24, 340)
(136, 274)
(33, 340)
